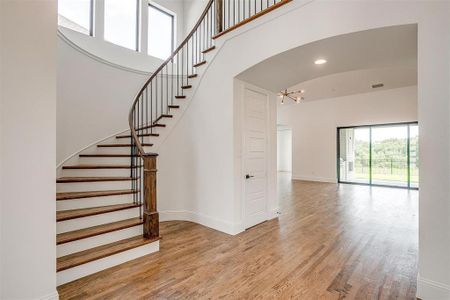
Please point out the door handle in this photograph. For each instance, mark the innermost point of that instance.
(248, 176)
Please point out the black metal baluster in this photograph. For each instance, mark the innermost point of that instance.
(167, 90)
(136, 193)
(151, 106)
(156, 98)
(139, 126)
(171, 83)
(192, 55)
(143, 142)
(161, 100)
(182, 71)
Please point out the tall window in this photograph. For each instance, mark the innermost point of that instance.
(160, 32)
(379, 155)
(121, 23)
(76, 15)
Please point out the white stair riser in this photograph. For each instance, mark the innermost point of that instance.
(94, 186)
(80, 223)
(93, 202)
(105, 160)
(105, 263)
(98, 240)
(95, 172)
(120, 150)
(111, 150)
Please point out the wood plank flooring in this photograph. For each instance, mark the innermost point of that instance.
(330, 242)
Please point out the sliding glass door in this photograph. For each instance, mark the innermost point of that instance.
(355, 155)
(385, 155)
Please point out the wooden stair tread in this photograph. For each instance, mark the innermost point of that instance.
(64, 215)
(184, 87)
(92, 179)
(123, 145)
(209, 49)
(95, 166)
(139, 135)
(90, 194)
(174, 106)
(107, 155)
(75, 235)
(162, 117)
(79, 258)
(151, 126)
(180, 97)
(192, 76)
(199, 64)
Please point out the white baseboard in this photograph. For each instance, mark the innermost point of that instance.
(273, 214)
(313, 178)
(184, 215)
(431, 290)
(216, 224)
(51, 296)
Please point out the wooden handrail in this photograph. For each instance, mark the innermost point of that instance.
(136, 99)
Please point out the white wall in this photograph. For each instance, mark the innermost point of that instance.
(197, 159)
(93, 100)
(28, 94)
(197, 163)
(314, 126)
(284, 150)
(192, 11)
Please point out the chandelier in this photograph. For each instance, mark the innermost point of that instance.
(291, 95)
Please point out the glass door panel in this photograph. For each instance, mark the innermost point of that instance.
(414, 155)
(390, 155)
(354, 155)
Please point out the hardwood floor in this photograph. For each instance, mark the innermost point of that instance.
(330, 242)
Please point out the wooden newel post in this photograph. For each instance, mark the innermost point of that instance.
(219, 16)
(151, 216)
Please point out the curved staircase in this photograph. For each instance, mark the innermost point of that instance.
(106, 201)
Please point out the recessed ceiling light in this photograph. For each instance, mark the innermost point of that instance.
(320, 61)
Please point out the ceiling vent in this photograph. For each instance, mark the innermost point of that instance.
(377, 85)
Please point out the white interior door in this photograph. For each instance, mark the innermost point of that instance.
(255, 157)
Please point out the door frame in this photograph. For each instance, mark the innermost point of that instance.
(338, 150)
(245, 86)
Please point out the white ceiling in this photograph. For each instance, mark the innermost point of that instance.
(355, 82)
(355, 62)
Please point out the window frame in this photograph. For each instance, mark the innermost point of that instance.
(137, 27)
(91, 20)
(168, 13)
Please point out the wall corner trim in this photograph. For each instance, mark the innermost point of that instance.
(428, 289)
